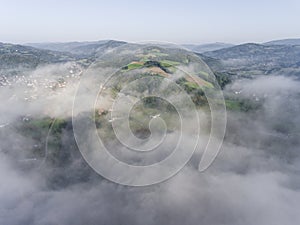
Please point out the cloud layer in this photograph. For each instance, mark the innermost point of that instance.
(254, 180)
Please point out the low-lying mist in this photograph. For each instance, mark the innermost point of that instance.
(254, 179)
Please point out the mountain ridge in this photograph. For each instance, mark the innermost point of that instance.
(88, 48)
(253, 58)
(288, 41)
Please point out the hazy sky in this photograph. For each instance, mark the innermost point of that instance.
(188, 21)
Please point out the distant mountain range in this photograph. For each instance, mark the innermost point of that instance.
(89, 48)
(254, 59)
(275, 57)
(219, 45)
(80, 48)
(284, 42)
(207, 47)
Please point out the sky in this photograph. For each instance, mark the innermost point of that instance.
(188, 21)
